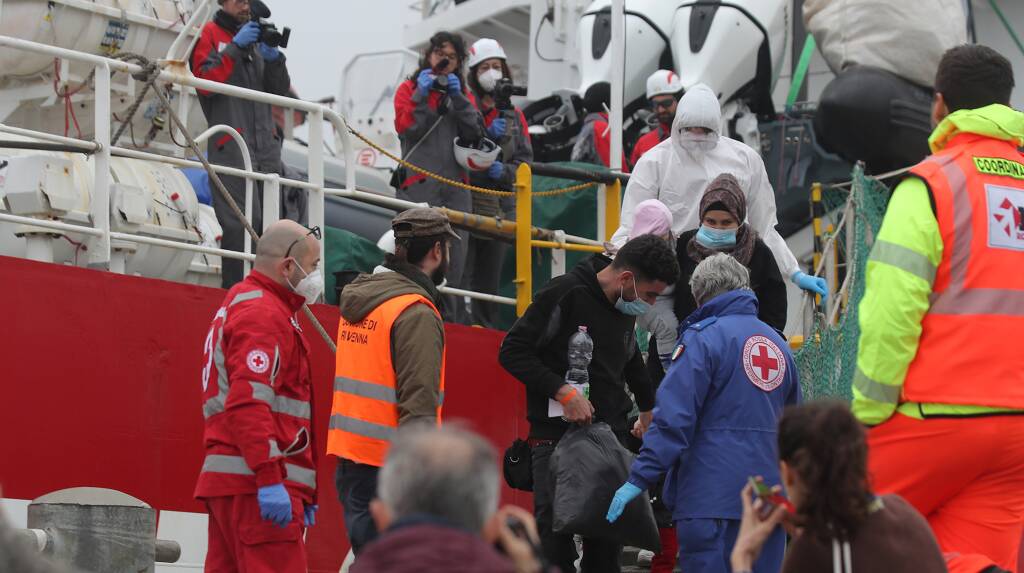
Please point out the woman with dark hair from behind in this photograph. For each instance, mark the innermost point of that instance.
(839, 525)
(433, 107)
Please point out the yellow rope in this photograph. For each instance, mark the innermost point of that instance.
(460, 184)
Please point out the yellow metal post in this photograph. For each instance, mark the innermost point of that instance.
(612, 206)
(817, 213)
(524, 224)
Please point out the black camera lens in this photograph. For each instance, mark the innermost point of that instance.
(271, 36)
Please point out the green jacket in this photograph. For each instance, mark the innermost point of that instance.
(900, 273)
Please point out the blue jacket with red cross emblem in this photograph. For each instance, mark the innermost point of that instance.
(257, 395)
(717, 410)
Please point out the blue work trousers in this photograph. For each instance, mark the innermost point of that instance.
(706, 544)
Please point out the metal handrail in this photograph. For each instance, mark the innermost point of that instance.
(247, 163)
(178, 73)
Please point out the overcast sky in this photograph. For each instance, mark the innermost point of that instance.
(327, 33)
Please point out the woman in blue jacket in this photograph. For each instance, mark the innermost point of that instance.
(715, 419)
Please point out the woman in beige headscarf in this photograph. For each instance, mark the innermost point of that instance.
(723, 229)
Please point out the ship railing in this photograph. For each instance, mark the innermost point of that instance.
(610, 196)
(178, 73)
(100, 253)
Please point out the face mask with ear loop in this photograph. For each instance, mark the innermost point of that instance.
(310, 286)
(635, 307)
(489, 79)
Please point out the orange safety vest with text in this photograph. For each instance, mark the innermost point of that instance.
(364, 415)
(969, 350)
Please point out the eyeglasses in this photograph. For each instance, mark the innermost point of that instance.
(315, 231)
(663, 103)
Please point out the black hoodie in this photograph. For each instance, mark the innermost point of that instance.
(535, 351)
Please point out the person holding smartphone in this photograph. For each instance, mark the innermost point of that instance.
(714, 425)
(831, 511)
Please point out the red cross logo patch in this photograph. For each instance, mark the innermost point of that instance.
(764, 363)
(258, 361)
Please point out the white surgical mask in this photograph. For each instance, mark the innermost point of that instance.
(489, 79)
(309, 287)
(698, 141)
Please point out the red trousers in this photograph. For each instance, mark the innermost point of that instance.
(965, 475)
(240, 541)
(665, 561)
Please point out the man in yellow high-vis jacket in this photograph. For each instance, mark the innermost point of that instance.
(940, 371)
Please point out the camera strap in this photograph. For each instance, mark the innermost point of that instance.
(422, 139)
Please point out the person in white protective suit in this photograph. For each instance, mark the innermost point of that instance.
(679, 169)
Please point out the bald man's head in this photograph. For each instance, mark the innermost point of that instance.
(275, 260)
(278, 237)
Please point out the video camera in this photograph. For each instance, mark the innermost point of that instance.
(503, 92)
(269, 34)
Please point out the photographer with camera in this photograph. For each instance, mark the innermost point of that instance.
(433, 108)
(491, 82)
(239, 48)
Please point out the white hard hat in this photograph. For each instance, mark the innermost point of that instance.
(476, 158)
(386, 242)
(485, 49)
(663, 82)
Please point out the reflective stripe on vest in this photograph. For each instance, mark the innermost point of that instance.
(959, 299)
(224, 464)
(967, 352)
(364, 413)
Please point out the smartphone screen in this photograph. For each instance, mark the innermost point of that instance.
(760, 489)
(769, 498)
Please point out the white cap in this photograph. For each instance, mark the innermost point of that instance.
(485, 49)
(663, 82)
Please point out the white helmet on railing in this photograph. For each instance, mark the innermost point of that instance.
(386, 242)
(663, 82)
(485, 49)
(478, 157)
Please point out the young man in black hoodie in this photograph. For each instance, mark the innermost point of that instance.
(605, 296)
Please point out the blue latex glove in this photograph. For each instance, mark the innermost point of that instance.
(496, 170)
(497, 128)
(247, 36)
(424, 82)
(269, 53)
(275, 504)
(454, 85)
(624, 495)
(813, 284)
(310, 511)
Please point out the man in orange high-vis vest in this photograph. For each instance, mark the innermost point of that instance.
(940, 372)
(390, 360)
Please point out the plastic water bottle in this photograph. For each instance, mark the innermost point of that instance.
(581, 351)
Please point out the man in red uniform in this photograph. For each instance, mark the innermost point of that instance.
(664, 88)
(259, 475)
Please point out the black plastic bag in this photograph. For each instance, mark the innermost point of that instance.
(588, 466)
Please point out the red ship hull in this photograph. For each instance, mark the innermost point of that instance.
(101, 387)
